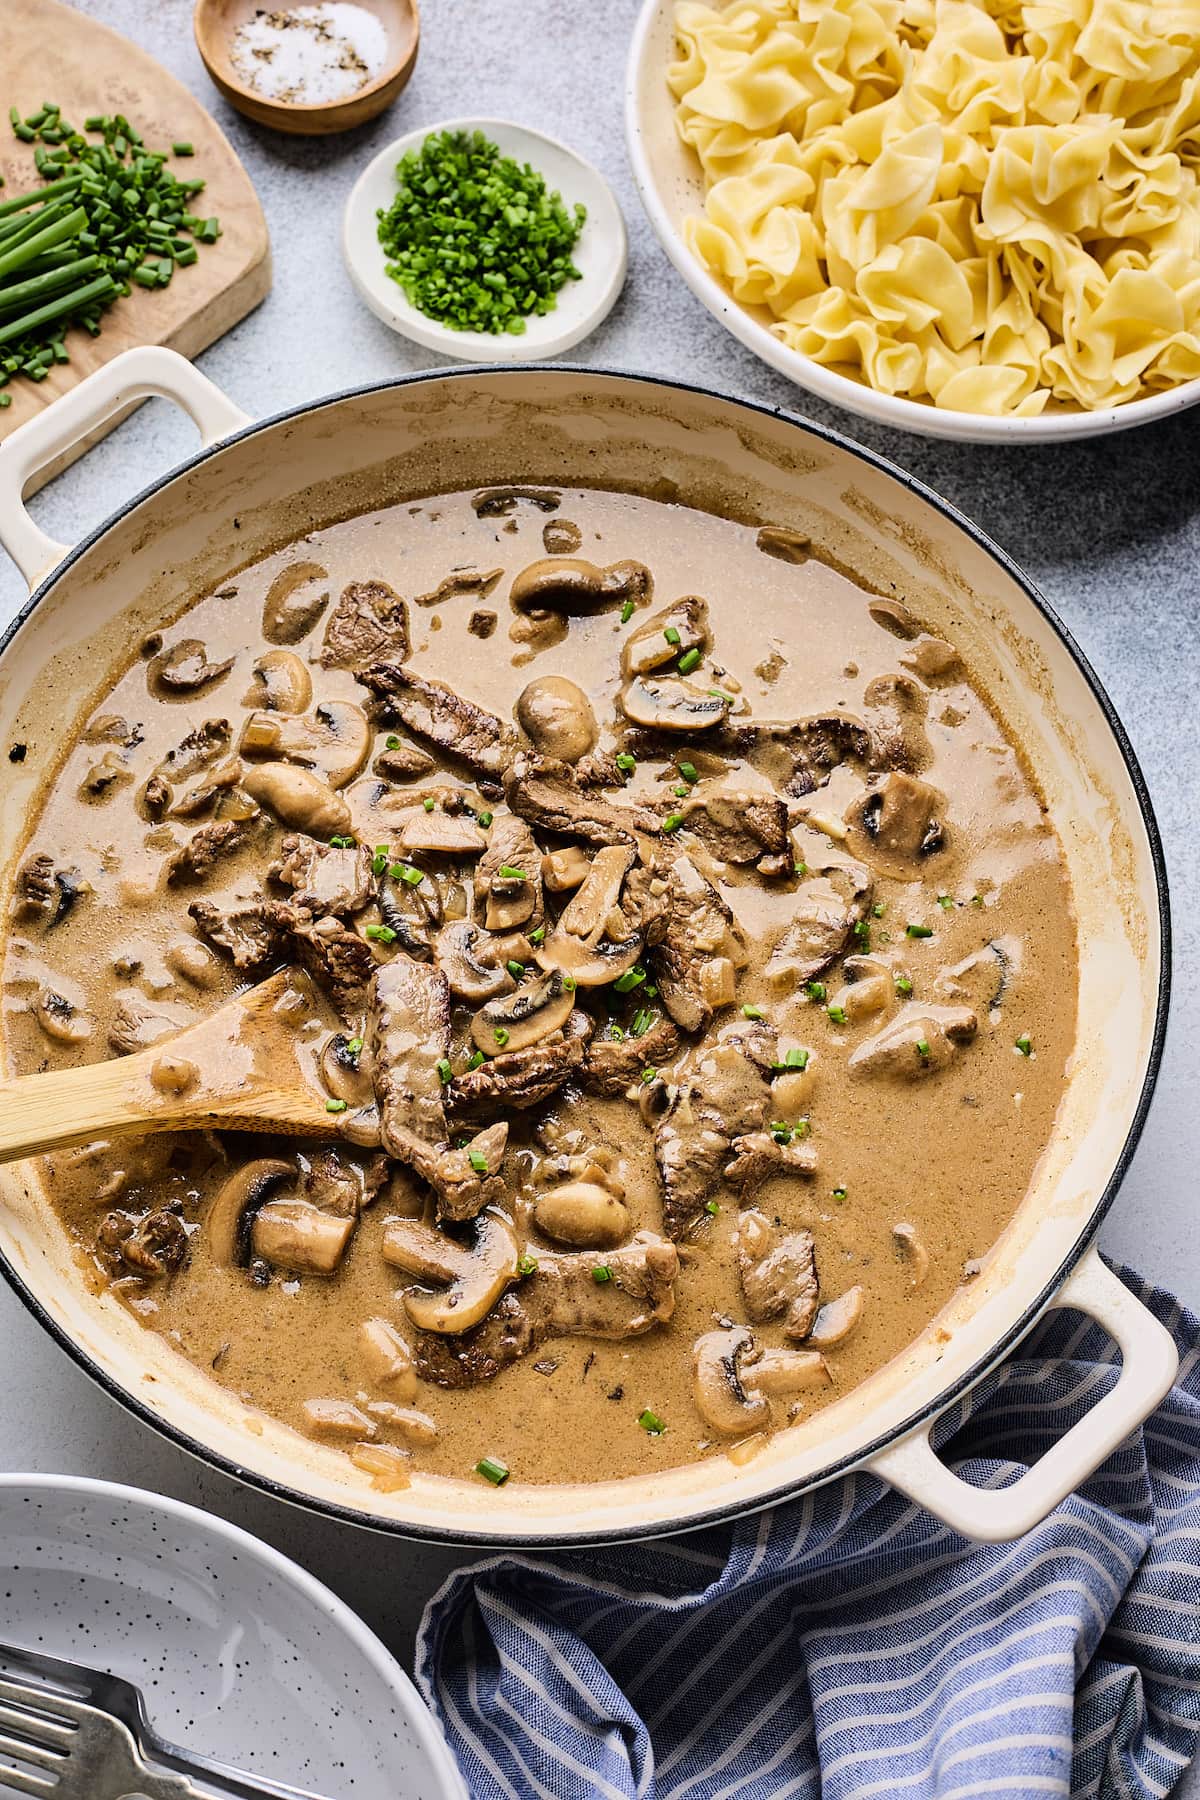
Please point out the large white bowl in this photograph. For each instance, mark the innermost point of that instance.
(671, 187)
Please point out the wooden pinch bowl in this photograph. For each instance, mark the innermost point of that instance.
(215, 22)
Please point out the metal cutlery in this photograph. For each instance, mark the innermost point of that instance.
(73, 1733)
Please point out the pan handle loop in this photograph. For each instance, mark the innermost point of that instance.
(136, 374)
(998, 1515)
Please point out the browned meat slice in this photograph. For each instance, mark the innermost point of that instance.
(896, 706)
(796, 755)
(459, 582)
(323, 877)
(457, 726)
(737, 825)
(599, 768)
(206, 847)
(519, 1079)
(46, 892)
(243, 931)
(340, 960)
(560, 1298)
(779, 1275)
(699, 951)
(830, 903)
(720, 1097)
(759, 1155)
(612, 1065)
(154, 1245)
(369, 621)
(549, 794)
(403, 762)
(183, 668)
(197, 751)
(511, 900)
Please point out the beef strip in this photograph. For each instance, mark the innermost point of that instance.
(778, 1275)
(511, 903)
(758, 1155)
(896, 706)
(699, 930)
(369, 621)
(324, 878)
(613, 1065)
(561, 1298)
(45, 892)
(721, 1096)
(737, 825)
(458, 727)
(830, 902)
(548, 793)
(154, 1245)
(206, 847)
(520, 1079)
(243, 931)
(340, 960)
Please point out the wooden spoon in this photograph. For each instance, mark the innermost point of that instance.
(246, 1067)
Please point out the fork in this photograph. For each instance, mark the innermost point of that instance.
(72, 1733)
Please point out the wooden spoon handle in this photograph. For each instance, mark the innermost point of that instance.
(71, 1106)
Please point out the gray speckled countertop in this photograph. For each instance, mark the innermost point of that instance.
(1110, 530)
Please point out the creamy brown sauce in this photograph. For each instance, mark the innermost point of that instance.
(939, 1135)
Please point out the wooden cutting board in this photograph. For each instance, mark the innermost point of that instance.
(49, 51)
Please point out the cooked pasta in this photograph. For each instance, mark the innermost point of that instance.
(988, 206)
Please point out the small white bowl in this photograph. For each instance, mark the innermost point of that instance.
(600, 254)
(670, 187)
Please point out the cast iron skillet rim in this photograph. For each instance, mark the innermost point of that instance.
(717, 1515)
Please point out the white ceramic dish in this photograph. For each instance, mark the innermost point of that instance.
(600, 254)
(670, 186)
(239, 1654)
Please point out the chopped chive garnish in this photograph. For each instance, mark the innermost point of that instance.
(801, 868)
(413, 877)
(354, 1046)
(380, 934)
(183, 149)
(627, 612)
(837, 1014)
(641, 1023)
(568, 982)
(335, 1106)
(379, 861)
(492, 1470)
(601, 1273)
(341, 843)
(516, 969)
(839, 1193)
(1025, 1045)
(688, 661)
(682, 791)
(428, 804)
(903, 984)
(801, 1128)
(445, 1072)
(476, 1060)
(878, 909)
(918, 931)
(650, 1421)
(508, 873)
(793, 1059)
(945, 902)
(500, 1035)
(976, 899)
(649, 1075)
(392, 742)
(753, 1012)
(862, 932)
(712, 1207)
(626, 761)
(815, 990)
(483, 820)
(720, 694)
(688, 771)
(526, 1264)
(478, 1161)
(671, 633)
(538, 935)
(625, 984)
(922, 1047)
(615, 1034)
(672, 822)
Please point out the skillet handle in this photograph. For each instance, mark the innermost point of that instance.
(997, 1515)
(136, 374)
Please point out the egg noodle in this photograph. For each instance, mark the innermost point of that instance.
(986, 206)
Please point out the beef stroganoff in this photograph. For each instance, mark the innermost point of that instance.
(682, 947)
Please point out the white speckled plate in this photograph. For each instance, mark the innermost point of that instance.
(239, 1653)
(600, 255)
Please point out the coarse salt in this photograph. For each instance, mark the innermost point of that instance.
(310, 55)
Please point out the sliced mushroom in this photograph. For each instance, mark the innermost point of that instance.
(467, 957)
(346, 1073)
(299, 798)
(787, 1372)
(564, 584)
(290, 613)
(565, 869)
(534, 1011)
(912, 1251)
(334, 740)
(786, 545)
(440, 833)
(59, 1018)
(296, 1235)
(667, 635)
(897, 824)
(870, 989)
(281, 683)
(231, 1215)
(920, 1041)
(104, 777)
(672, 704)
(579, 945)
(582, 1213)
(981, 978)
(183, 669)
(837, 1319)
(556, 715)
(338, 1420)
(722, 1399)
(471, 1279)
(387, 1358)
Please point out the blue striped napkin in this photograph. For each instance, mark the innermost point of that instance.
(848, 1646)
